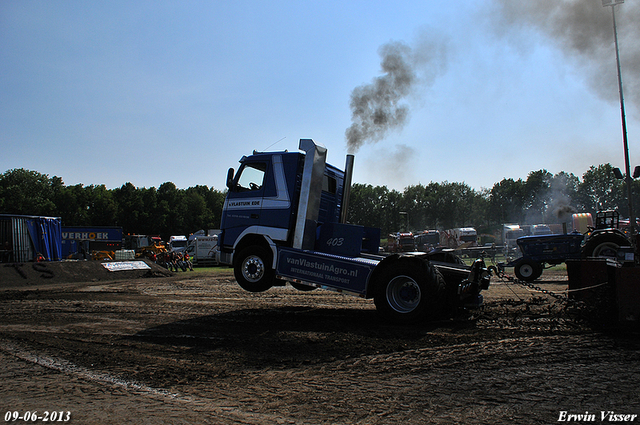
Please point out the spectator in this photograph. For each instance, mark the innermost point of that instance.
(188, 261)
(174, 261)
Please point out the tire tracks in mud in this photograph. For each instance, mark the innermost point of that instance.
(286, 357)
(402, 377)
(215, 411)
(513, 380)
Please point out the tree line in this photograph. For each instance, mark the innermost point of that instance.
(164, 211)
(541, 198)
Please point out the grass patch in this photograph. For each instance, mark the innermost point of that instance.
(215, 270)
(560, 268)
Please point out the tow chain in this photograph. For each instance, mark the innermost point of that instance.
(511, 279)
(498, 272)
(559, 297)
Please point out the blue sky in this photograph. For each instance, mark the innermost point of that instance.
(154, 91)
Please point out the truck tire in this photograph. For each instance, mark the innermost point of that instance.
(410, 291)
(252, 269)
(527, 270)
(604, 245)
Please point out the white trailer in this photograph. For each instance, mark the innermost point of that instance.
(460, 237)
(203, 250)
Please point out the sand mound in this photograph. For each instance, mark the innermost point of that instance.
(27, 274)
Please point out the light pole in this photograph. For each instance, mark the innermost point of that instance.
(628, 179)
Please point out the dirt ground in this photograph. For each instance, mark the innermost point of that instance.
(152, 347)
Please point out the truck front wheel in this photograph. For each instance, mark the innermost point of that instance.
(253, 270)
(527, 270)
(410, 291)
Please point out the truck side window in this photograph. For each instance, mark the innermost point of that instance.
(251, 177)
(329, 184)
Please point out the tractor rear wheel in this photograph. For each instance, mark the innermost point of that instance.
(604, 245)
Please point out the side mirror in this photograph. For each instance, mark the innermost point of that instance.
(230, 178)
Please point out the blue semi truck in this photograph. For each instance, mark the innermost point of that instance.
(285, 220)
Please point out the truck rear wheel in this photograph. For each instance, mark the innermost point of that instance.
(252, 269)
(409, 291)
(527, 270)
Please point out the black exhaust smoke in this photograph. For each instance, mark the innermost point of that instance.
(378, 107)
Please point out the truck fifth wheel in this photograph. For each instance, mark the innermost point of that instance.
(284, 220)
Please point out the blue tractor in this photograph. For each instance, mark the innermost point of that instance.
(605, 240)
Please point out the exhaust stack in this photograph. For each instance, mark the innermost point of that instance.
(346, 191)
(310, 193)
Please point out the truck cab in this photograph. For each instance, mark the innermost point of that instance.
(284, 220)
(264, 195)
(178, 243)
(427, 240)
(510, 234)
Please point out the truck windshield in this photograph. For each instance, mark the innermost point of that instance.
(251, 177)
(433, 239)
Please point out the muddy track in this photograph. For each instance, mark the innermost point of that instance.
(198, 349)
